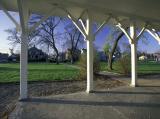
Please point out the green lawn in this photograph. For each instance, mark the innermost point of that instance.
(149, 67)
(48, 71)
(143, 67)
(37, 72)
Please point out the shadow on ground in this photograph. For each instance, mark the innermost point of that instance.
(93, 103)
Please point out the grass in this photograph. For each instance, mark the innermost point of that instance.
(38, 72)
(9, 72)
(143, 67)
(149, 67)
(103, 67)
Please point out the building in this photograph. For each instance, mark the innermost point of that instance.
(14, 57)
(35, 54)
(83, 50)
(157, 57)
(3, 57)
(143, 58)
(76, 55)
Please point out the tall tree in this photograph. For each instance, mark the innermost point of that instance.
(74, 39)
(110, 49)
(15, 38)
(113, 50)
(48, 34)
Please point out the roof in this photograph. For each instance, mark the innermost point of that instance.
(139, 10)
(34, 49)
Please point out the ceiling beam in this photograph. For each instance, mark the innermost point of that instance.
(10, 16)
(154, 34)
(23, 14)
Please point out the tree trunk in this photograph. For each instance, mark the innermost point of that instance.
(57, 54)
(72, 60)
(110, 59)
(72, 56)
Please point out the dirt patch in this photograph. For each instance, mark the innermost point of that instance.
(10, 92)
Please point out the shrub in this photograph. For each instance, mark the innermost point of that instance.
(83, 65)
(123, 65)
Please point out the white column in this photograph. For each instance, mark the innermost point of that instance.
(86, 30)
(24, 16)
(134, 64)
(89, 65)
(23, 66)
(90, 39)
(133, 56)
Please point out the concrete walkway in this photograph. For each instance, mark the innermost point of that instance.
(143, 80)
(119, 103)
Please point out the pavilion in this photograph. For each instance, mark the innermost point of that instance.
(138, 15)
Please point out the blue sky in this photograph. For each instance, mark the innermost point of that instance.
(150, 46)
(5, 23)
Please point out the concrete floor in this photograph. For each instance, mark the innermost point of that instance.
(142, 82)
(120, 103)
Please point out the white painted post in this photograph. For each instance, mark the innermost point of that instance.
(89, 65)
(133, 56)
(23, 66)
(24, 16)
(90, 38)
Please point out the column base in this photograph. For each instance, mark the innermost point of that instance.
(23, 99)
(91, 91)
(133, 85)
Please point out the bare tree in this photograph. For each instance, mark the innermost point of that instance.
(114, 47)
(47, 33)
(111, 46)
(74, 40)
(14, 37)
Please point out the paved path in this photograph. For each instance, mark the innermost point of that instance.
(119, 103)
(143, 80)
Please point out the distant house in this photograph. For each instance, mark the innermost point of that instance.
(14, 57)
(150, 57)
(83, 50)
(35, 54)
(3, 57)
(157, 57)
(143, 58)
(77, 54)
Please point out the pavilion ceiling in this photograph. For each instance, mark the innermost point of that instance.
(141, 11)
